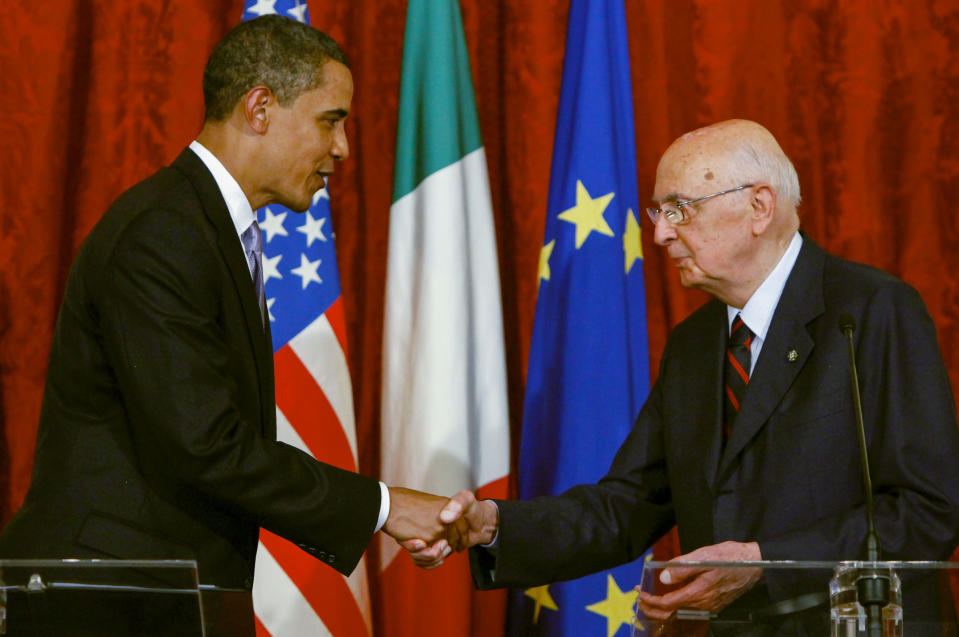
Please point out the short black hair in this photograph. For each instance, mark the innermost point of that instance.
(280, 53)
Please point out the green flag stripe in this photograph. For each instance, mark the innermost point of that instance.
(437, 122)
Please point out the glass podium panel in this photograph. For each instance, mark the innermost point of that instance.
(792, 598)
(102, 598)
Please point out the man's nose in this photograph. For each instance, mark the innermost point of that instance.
(341, 145)
(664, 232)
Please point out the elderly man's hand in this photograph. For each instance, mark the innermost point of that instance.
(702, 588)
(470, 521)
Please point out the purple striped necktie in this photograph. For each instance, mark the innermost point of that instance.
(252, 240)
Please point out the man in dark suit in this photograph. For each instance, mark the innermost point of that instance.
(769, 470)
(158, 435)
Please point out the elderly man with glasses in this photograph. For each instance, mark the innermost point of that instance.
(748, 441)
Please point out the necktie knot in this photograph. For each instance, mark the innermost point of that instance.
(252, 239)
(740, 335)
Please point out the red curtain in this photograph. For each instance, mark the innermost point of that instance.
(861, 95)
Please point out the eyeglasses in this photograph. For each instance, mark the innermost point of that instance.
(674, 212)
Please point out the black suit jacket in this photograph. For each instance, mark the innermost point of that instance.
(158, 434)
(789, 475)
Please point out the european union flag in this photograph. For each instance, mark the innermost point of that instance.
(589, 361)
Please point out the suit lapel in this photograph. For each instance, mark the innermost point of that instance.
(214, 207)
(777, 368)
(705, 417)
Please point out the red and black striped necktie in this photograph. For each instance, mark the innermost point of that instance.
(737, 371)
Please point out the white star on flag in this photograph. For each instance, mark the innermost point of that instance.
(298, 12)
(269, 306)
(270, 267)
(312, 228)
(273, 224)
(307, 270)
(263, 7)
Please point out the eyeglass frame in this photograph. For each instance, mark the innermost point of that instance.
(656, 213)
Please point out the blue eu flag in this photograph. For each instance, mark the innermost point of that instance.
(589, 361)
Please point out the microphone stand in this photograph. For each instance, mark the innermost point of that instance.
(872, 586)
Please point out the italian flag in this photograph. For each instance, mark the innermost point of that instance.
(445, 423)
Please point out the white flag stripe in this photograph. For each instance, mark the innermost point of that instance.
(278, 603)
(358, 581)
(285, 432)
(359, 584)
(389, 550)
(445, 413)
(320, 351)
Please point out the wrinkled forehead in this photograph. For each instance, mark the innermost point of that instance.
(692, 165)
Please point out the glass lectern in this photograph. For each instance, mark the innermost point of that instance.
(102, 598)
(792, 598)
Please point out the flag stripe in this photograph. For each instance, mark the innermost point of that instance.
(319, 349)
(305, 404)
(337, 319)
(444, 376)
(437, 103)
(279, 605)
(324, 589)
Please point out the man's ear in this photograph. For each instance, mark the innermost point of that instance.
(763, 205)
(255, 111)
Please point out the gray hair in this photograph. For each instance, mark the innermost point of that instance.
(282, 54)
(753, 163)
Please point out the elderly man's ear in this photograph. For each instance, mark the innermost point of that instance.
(763, 204)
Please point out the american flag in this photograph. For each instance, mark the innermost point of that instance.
(293, 593)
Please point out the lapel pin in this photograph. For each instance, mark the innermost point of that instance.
(792, 356)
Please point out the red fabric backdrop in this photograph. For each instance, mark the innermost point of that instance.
(861, 95)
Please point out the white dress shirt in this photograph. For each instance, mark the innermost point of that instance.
(757, 314)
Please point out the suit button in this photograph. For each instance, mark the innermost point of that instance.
(248, 583)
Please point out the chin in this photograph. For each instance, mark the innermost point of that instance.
(300, 205)
(687, 279)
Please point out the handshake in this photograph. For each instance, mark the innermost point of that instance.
(430, 527)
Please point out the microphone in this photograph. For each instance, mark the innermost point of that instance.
(872, 587)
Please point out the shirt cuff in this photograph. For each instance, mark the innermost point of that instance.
(495, 541)
(384, 507)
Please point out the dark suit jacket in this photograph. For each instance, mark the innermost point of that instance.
(789, 475)
(157, 436)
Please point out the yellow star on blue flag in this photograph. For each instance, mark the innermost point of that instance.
(617, 608)
(587, 214)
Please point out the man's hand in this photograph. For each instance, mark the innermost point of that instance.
(704, 588)
(415, 515)
(469, 522)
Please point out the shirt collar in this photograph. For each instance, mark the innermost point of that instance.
(236, 202)
(757, 314)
